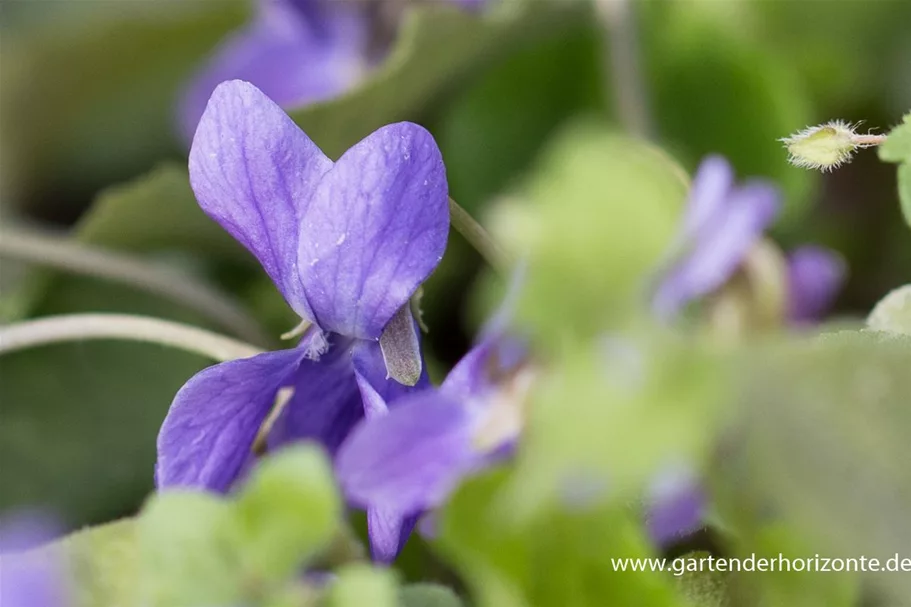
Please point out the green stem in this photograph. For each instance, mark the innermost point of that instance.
(477, 236)
(64, 254)
(78, 327)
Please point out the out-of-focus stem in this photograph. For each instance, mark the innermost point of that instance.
(64, 254)
(624, 77)
(476, 236)
(78, 327)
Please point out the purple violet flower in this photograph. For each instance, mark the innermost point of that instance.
(31, 579)
(814, 276)
(347, 244)
(410, 459)
(295, 51)
(720, 225)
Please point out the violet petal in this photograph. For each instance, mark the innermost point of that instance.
(375, 228)
(814, 276)
(326, 403)
(254, 172)
(718, 249)
(209, 430)
(409, 459)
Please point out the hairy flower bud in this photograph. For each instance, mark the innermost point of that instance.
(827, 146)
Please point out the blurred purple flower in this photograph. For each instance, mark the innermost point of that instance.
(814, 276)
(721, 224)
(677, 505)
(410, 459)
(347, 244)
(295, 51)
(33, 579)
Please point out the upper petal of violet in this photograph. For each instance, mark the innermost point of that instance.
(254, 172)
(712, 185)
(375, 228)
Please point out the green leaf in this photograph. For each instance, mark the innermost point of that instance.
(615, 414)
(493, 130)
(897, 147)
(893, 312)
(717, 91)
(428, 595)
(189, 551)
(703, 588)
(288, 511)
(157, 211)
(564, 557)
(359, 585)
(104, 564)
(89, 98)
(904, 190)
(79, 420)
(603, 211)
(823, 441)
(437, 46)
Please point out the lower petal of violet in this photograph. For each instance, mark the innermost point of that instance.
(409, 459)
(208, 433)
(326, 403)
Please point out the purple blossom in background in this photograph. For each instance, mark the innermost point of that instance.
(295, 51)
(347, 244)
(721, 223)
(36, 579)
(814, 276)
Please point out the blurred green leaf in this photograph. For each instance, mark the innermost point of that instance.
(492, 130)
(80, 420)
(717, 91)
(189, 551)
(617, 414)
(438, 45)
(287, 511)
(603, 212)
(897, 148)
(360, 584)
(821, 446)
(104, 564)
(89, 100)
(703, 588)
(428, 595)
(893, 312)
(783, 586)
(564, 558)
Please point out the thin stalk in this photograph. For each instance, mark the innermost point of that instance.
(78, 327)
(64, 254)
(624, 77)
(477, 236)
